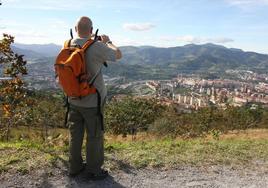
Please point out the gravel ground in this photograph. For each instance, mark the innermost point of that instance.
(210, 176)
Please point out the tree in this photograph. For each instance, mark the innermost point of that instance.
(12, 90)
(130, 115)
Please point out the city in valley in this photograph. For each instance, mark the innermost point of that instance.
(190, 92)
(186, 91)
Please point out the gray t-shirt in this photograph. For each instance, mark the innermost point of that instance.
(96, 55)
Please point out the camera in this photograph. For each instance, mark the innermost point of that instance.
(96, 36)
(99, 38)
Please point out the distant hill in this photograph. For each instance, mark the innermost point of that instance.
(28, 54)
(148, 62)
(198, 55)
(45, 50)
(195, 58)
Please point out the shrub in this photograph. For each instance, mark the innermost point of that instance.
(164, 127)
(174, 125)
(241, 118)
(129, 115)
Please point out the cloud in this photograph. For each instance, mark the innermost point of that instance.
(35, 36)
(13, 23)
(188, 39)
(138, 26)
(58, 24)
(62, 5)
(48, 4)
(196, 40)
(50, 30)
(221, 40)
(247, 3)
(125, 41)
(169, 41)
(25, 34)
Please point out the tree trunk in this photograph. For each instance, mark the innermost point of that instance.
(8, 129)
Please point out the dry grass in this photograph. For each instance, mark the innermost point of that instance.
(252, 134)
(25, 133)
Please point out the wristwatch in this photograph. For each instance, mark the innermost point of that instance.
(109, 42)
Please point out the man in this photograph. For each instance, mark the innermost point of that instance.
(84, 113)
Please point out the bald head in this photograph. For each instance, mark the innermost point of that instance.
(84, 27)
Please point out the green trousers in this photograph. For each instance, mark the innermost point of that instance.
(79, 120)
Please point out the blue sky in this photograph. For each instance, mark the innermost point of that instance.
(164, 23)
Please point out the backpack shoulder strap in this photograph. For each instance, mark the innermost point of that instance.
(87, 44)
(67, 43)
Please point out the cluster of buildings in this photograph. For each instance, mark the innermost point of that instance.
(194, 92)
(247, 75)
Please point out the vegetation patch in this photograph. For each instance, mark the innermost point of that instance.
(24, 157)
(173, 153)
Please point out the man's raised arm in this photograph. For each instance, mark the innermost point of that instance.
(105, 39)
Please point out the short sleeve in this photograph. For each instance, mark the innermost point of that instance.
(106, 53)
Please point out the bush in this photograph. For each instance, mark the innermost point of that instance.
(209, 120)
(164, 127)
(174, 125)
(241, 118)
(129, 115)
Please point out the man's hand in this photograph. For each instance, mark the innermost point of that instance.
(104, 38)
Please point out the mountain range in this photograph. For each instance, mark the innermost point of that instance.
(37, 50)
(155, 62)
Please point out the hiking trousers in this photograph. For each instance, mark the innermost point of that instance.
(82, 119)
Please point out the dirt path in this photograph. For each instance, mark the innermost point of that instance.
(212, 176)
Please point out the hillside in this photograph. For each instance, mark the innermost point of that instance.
(195, 57)
(45, 50)
(28, 53)
(148, 62)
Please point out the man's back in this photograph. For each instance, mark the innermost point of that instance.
(96, 55)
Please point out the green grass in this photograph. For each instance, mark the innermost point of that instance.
(171, 154)
(25, 156)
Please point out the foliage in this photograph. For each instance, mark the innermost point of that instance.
(129, 115)
(209, 120)
(43, 110)
(12, 91)
(264, 120)
(242, 118)
(165, 125)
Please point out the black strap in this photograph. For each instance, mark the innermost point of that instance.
(97, 38)
(99, 110)
(96, 35)
(71, 33)
(67, 104)
(92, 80)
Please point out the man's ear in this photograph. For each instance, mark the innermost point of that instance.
(76, 29)
(91, 30)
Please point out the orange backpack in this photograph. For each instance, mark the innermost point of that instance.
(70, 67)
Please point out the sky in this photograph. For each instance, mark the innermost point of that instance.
(163, 23)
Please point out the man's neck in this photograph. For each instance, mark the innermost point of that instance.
(84, 36)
